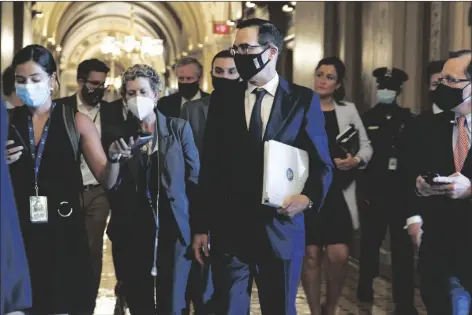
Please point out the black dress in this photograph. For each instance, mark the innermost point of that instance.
(57, 251)
(333, 223)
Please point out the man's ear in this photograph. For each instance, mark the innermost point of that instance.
(273, 52)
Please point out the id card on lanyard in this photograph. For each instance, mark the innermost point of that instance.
(38, 204)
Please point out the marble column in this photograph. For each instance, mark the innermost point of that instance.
(7, 34)
(460, 32)
(350, 49)
(309, 41)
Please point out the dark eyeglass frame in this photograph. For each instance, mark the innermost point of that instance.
(244, 48)
(95, 84)
(451, 80)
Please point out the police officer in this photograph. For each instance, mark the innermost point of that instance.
(382, 194)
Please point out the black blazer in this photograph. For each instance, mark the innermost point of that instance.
(171, 105)
(110, 115)
(179, 165)
(447, 223)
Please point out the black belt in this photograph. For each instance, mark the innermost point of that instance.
(88, 187)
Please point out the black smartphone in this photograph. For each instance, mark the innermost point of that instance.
(428, 177)
(144, 137)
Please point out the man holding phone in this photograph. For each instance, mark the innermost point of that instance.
(444, 201)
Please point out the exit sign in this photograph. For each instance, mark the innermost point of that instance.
(220, 28)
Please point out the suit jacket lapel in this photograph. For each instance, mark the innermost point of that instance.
(447, 132)
(281, 110)
(163, 138)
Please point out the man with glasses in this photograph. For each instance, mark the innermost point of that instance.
(250, 241)
(91, 76)
(444, 204)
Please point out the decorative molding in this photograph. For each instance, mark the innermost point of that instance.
(435, 37)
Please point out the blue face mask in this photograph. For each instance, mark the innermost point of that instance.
(386, 96)
(33, 94)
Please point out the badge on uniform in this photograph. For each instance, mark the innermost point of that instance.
(392, 164)
(373, 127)
(38, 209)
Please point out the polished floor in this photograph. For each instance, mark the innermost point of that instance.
(347, 304)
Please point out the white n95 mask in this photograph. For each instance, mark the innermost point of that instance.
(140, 106)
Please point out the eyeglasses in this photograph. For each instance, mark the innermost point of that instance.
(451, 80)
(95, 84)
(243, 49)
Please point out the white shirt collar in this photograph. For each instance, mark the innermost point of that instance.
(196, 97)
(436, 109)
(270, 87)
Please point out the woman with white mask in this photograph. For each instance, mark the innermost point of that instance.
(150, 222)
(42, 152)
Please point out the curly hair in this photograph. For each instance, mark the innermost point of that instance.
(141, 71)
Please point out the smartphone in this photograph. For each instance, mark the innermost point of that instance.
(428, 177)
(144, 137)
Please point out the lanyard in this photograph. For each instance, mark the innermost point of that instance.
(96, 115)
(148, 179)
(37, 156)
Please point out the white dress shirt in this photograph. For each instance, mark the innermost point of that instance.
(94, 115)
(196, 97)
(267, 101)
(468, 123)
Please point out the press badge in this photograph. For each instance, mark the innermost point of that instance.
(39, 209)
(392, 164)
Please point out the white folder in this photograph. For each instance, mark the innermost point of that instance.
(285, 172)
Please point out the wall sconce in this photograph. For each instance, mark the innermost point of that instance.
(37, 14)
(288, 7)
(250, 5)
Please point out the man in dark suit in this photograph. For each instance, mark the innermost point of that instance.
(250, 241)
(223, 74)
(91, 75)
(380, 185)
(442, 213)
(15, 287)
(189, 74)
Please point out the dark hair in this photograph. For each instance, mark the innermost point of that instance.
(434, 67)
(268, 34)
(222, 54)
(460, 53)
(39, 55)
(87, 66)
(189, 61)
(8, 81)
(340, 68)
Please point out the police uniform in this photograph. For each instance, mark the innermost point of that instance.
(381, 189)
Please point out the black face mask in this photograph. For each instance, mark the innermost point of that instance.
(250, 65)
(223, 83)
(92, 96)
(447, 98)
(189, 90)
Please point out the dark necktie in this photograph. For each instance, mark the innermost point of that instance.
(255, 124)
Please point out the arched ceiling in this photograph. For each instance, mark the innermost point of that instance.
(71, 24)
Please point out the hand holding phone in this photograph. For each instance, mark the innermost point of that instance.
(142, 139)
(12, 152)
(429, 179)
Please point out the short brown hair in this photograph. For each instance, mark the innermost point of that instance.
(189, 61)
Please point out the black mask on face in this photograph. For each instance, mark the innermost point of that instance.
(447, 98)
(223, 83)
(250, 65)
(92, 96)
(189, 90)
